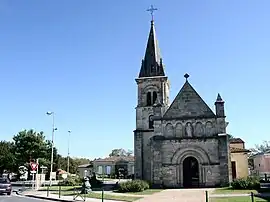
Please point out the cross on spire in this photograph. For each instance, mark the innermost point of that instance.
(151, 10)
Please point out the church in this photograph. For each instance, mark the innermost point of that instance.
(178, 144)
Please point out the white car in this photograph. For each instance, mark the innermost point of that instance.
(5, 186)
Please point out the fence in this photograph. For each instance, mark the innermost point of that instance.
(76, 193)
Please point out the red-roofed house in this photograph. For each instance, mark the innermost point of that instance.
(239, 158)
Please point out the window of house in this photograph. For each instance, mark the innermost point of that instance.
(100, 170)
(108, 170)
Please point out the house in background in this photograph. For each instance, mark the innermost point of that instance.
(85, 170)
(261, 163)
(239, 158)
(62, 173)
(115, 165)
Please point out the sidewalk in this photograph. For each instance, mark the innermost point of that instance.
(177, 195)
(55, 197)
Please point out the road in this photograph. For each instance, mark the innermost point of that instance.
(16, 198)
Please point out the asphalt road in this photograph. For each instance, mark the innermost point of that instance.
(16, 198)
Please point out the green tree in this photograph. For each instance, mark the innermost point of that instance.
(121, 152)
(265, 146)
(230, 136)
(73, 163)
(7, 157)
(30, 145)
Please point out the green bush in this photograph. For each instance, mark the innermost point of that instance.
(246, 183)
(70, 181)
(133, 186)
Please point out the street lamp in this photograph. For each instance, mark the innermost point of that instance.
(68, 152)
(53, 129)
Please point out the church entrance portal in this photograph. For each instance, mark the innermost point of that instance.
(190, 172)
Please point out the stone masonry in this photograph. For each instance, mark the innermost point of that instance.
(179, 144)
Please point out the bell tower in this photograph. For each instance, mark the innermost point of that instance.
(153, 89)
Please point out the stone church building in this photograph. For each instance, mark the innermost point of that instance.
(182, 144)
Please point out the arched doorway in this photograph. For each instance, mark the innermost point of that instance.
(190, 172)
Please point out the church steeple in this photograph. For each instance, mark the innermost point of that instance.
(152, 63)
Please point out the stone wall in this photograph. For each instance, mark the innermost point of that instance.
(138, 154)
(169, 155)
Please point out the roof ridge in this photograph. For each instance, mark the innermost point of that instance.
(181, 92)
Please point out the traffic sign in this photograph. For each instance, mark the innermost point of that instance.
(34, 166)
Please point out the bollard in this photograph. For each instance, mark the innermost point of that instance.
(48, 191)
(102, 195)
(59, 191)
(252, 196)
(206, 196)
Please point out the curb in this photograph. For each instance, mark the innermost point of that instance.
(47, 198)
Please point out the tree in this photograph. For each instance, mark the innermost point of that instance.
(30, 145)
(120, 152)
(61, 163)
(129, 152)
(230, 136)
(265, 146)
(7, 157)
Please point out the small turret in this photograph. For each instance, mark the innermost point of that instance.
(219, 107)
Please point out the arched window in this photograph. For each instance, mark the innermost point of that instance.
(151, 122)
(148, 99)
(154, 97)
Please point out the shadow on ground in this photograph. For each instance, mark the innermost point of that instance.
(263, 193)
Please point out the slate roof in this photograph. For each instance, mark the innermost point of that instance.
(239, 150)
(85, 165)
(236, 140)
(116, 158)
(188, 104)
(152, 62)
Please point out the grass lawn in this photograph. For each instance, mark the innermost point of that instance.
(106, 196)
(229, 190)
(238, 199)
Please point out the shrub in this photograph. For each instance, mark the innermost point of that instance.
(246, 183)
(133, 186)
(70, 181)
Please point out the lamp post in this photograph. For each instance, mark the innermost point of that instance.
(68, 152)
(53, 129)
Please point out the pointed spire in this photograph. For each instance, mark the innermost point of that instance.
(219, 99)
(152, 63)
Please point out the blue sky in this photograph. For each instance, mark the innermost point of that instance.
(80, 58)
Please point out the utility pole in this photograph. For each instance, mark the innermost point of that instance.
(68, 151)
(53, 129)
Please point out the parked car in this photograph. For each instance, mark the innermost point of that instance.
(5, 186)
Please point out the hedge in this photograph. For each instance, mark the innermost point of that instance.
(246, 183)
(133, 186)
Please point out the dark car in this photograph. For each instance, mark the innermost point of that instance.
(5, 186)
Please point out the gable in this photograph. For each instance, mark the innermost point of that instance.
(188, 104)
